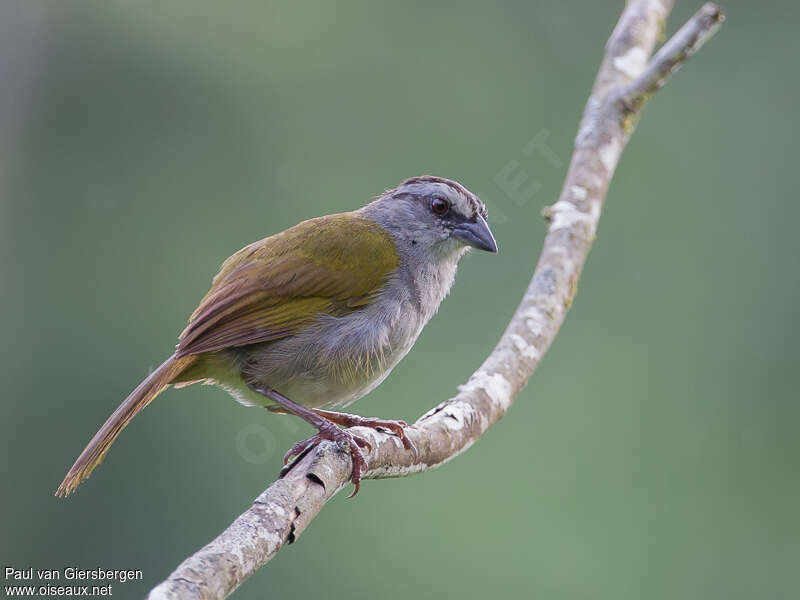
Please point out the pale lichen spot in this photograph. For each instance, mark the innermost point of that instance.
(534, 320)
(390, 470)
(569, 267)
(525, 349)
(566, 214)
(496, 386)
(609, 154)
(271, 540)
(484, 422)
(631, 63)
(594, 210)
(578, 192)
(455, 415)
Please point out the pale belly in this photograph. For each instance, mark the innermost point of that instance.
(330, 365)
(337, 360)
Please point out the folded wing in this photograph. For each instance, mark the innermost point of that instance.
(268, 290)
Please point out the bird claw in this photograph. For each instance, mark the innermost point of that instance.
(342, 437)
(330, 432)
(299, 448)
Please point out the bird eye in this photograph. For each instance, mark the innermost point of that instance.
(440, 206)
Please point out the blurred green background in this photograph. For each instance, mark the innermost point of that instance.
(653, 455)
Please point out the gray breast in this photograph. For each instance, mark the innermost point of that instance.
(338, 360)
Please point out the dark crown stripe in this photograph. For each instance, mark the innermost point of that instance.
(477, 205)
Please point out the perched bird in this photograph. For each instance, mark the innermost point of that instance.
(318, 315)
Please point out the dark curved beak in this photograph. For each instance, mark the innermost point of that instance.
(477, 234)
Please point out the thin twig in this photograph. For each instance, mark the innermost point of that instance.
(286, 508)
(669, 58)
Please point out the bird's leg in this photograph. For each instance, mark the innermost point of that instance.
(348, 420)
(328, 430)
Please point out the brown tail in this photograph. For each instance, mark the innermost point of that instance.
(94, 453)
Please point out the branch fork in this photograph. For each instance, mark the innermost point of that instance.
(625, 81)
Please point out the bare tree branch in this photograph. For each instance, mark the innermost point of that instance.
(624, 82)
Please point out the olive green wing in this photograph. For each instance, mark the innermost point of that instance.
(272, 288)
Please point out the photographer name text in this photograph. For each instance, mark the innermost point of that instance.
(48, 581)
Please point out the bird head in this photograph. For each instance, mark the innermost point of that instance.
(435, 216)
